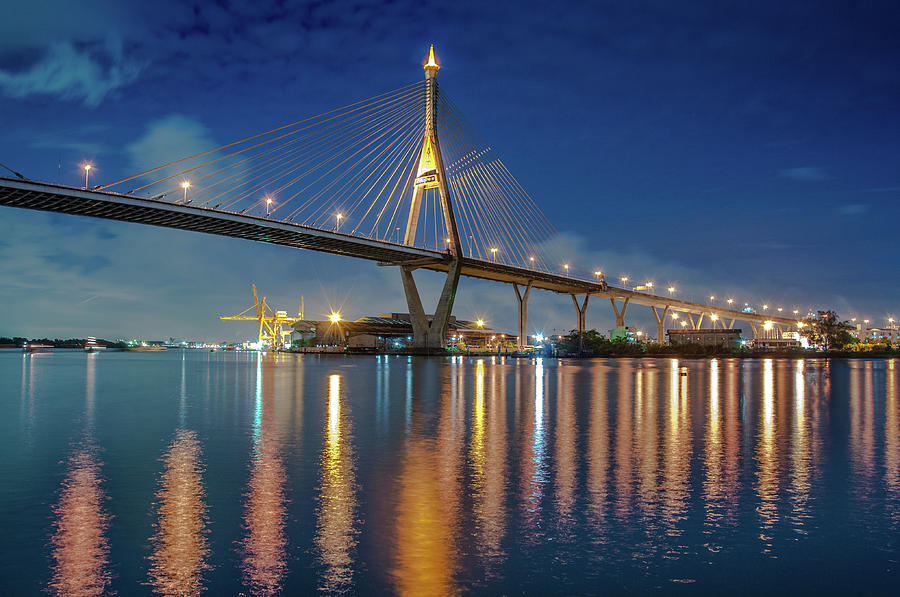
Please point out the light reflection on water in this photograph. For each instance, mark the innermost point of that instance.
(180, 546)
(475, 475)
(337, 524)
(80, 548)
(265, 544)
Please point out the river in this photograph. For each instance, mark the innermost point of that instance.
(183, 472)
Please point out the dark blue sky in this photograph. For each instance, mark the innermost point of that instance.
(735, 148)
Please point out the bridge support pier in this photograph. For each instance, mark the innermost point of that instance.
(620, 315)
(522, 299)
(660, 324)
(430, 335)
(582, 310)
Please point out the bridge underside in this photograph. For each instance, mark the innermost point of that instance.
(127, 208)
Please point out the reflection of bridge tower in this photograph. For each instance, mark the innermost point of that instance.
(430, 175)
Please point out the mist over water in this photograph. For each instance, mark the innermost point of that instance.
(180, 473)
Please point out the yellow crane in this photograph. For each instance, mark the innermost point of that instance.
(271, 323)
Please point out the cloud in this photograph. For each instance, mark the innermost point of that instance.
(805, 174)
(168, 139)
(87, 73)
(853, 209)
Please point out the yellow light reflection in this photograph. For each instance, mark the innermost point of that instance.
(713, 484)
(892, 439)
(801, 450)
(767, 459)
(265, 543)
(426, 515)
(565, 457)
(598, 450)
(80, 547)
(336, 529)
(677, 455)
(180, 548)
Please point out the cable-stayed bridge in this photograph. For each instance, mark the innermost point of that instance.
(402, 179)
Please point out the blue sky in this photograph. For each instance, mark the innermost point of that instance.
(749, 149)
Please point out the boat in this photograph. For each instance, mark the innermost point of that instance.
(32, 347)
(91, 345)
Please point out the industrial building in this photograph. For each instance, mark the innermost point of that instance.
(392, 331)
(727, 338)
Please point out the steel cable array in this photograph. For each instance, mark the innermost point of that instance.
(352, 170)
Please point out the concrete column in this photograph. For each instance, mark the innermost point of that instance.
(660, 324)
(755, 329)
(430, 335)
(691, 319)
(699, 321)
(581, 319)
(730, 325)
(522, 299)
(620, 315)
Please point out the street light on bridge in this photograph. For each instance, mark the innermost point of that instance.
(566, 266)
(730, 301)
(87, 170)
(494, 254)
(185, 185)
(337, 224)
(268, 205)
(671, 290)
(624, 279)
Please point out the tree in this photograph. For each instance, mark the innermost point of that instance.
(825, 329)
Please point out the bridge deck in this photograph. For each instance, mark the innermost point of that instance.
(127, 208)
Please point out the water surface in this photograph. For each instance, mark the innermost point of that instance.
(182, 472)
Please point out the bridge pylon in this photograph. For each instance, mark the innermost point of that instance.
(430, 333)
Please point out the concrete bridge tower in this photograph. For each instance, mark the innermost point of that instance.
(430, 333)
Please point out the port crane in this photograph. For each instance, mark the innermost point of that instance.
(273, 325)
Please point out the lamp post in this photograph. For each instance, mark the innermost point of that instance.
(337, 224)
(671, 290)
(185, 185)
(566, 266)
(268, 205)
(87, 170)
(494, 254)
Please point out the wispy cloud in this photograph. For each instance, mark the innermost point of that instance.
(805, 174)
(87, 73)
(853, 209)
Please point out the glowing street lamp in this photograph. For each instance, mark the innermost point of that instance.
(597, 274)
(730, 301)
(683, 323)
(671, 290)
(796, 311)
(674, 316)
(624, 279)
(87, 170)
(714, 317)
(531, 259)
(767, 325)
(268, 205)
(566, 267)
(337, 221)
(494, 254)
(185, 185)
(480, 323)
(765, 307)
(780, 309)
